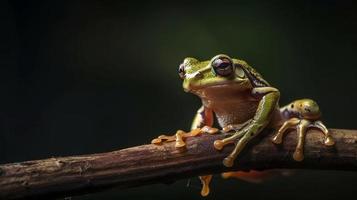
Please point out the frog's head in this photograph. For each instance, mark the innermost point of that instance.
(221, 72)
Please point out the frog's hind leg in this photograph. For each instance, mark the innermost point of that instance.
(302, 114)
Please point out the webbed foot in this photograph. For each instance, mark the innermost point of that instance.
(181, 135)
(301, 126)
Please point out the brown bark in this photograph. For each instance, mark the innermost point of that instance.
(146, 164)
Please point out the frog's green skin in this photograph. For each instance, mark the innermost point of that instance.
(244, 104)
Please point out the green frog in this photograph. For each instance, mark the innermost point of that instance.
(244, 104)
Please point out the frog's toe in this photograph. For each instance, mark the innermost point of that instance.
(291, 123)
(228, 128)
(178, 137)
(205, 180)
(156, 141)
(277, 140)
(328, 140)
(209, 130)
(219, 144)
(228, 161)
(164, 138)
(298, 155)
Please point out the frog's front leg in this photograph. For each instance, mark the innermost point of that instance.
(267, 105)
(202, 123)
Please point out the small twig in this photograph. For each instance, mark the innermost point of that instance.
(141, 165)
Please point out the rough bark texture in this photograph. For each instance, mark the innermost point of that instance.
(140, 165)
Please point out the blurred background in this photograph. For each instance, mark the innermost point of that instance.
(79, 77)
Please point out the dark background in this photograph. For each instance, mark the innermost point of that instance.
(81, 77)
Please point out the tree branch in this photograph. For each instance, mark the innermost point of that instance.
(147, 164)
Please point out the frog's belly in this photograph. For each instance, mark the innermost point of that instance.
(234, 112)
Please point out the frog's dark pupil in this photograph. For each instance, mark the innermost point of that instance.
(223, 64)
(222, 67)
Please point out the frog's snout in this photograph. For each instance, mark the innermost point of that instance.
(183, 69)
(190, 61)
(194, 75)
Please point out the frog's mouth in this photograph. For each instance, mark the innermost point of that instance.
(223, 86)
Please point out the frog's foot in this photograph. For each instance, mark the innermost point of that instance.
(180, 136)
(243, 140)
(301, 126)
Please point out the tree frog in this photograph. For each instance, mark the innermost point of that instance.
(244, 103)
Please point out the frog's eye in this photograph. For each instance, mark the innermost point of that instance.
(181, 71)
(223, 66)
